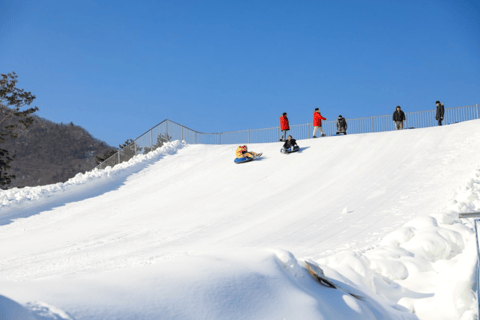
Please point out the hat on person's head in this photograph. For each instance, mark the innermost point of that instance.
(437, 102)
(398, 107)
(340, 116)
(284, 113)
(316, 109)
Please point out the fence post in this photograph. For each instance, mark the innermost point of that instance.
(166, 128)
(248, 135)
(118, 156)
(151, 139)
(182, 132)
(196, 139)
(477, 112)
(373, 130)
(219, 138)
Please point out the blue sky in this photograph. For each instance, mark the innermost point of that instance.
(118, 67)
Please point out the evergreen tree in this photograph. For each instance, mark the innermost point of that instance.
(105, 156)
(127, 150)
(13, 120)
(161, 140)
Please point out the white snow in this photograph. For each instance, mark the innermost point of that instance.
(184, 233)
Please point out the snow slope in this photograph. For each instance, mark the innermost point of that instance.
(184, 233)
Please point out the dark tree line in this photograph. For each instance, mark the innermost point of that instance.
(35, 151)
(49, 152)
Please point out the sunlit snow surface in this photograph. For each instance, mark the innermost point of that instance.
(184, 233)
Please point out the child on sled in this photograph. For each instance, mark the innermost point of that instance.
(242, 152)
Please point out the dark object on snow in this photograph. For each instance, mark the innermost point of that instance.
(319, 276)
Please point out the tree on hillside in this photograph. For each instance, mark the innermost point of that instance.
(13, 120)
(161, 140)
(129, 152)
(105, 156)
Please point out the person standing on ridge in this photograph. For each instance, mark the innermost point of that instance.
(440, 112)
(341, 125)
(399, 118)
(284, 126)
(317, 123)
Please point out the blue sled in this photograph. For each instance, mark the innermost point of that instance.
(290, 150)
(243, 160)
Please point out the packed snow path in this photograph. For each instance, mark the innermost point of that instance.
(338, 193)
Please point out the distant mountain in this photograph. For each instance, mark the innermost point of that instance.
(49, 152)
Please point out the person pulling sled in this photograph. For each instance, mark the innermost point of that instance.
(290, 145)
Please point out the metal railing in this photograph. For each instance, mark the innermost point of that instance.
(168, 130)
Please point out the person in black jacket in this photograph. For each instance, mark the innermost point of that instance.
(399, 118)
(341, 125)
(440, 112)
(290, 143)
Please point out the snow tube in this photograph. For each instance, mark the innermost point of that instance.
(242, 160)
(290, 150)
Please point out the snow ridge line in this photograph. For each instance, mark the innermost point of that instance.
(18, 196)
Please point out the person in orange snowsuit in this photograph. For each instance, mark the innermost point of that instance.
(242, 152)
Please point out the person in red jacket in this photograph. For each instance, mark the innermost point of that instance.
(317, 122)
(284, 126)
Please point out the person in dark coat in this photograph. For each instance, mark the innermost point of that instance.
(290, 143)
(341, 125)
(284, 126)
(399, 118)
(440, 112)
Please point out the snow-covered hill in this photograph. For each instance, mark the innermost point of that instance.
(184, 233)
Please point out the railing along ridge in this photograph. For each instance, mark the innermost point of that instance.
(168, 130)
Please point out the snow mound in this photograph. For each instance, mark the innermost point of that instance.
(44, 311)
(247, 284)
(425, 266)
(27, 195)
(11, 310)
